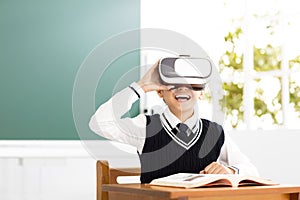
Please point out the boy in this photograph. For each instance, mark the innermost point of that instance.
(175, 141)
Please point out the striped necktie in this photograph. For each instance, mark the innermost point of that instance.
(183, 128)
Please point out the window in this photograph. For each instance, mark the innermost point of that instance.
(255, 47)
(262, 61)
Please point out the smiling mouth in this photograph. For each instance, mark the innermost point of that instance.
(182, 97)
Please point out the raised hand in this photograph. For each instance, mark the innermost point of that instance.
(151, 81)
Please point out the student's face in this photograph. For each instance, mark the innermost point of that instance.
(181, 99)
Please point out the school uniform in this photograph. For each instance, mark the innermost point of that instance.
(166, 146)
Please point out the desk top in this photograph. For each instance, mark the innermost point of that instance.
(173, 192)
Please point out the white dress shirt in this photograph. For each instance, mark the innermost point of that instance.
(108, 122)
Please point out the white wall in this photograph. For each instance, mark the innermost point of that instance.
(64, 170)
(45, 170)
(275, 153)
(60, 170)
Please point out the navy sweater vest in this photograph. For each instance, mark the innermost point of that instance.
(161, 156)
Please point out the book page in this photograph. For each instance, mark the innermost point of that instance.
(189, 180)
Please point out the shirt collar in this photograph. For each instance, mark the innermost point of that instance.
(192, 122)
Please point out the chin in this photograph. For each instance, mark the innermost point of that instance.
(184, 108)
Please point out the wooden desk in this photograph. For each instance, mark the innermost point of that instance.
(147, 192)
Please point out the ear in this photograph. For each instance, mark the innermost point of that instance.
(201, 94)
(160, 93)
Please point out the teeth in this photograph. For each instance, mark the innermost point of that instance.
(182, 96)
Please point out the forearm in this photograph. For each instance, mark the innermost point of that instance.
(107, 120)
(114, 108)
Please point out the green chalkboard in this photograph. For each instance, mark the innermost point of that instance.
(42, 46)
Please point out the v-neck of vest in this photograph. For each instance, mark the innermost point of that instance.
(179, 141)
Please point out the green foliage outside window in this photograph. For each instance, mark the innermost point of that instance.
(265, 59)
(294, 86)
(232, 62)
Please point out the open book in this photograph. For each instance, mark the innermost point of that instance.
(188, 180)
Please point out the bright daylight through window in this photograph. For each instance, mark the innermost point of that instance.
(255, 48)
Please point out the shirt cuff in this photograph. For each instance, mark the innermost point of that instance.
(235, 169)
(137, 89)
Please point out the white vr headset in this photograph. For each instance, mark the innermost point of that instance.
(192, 71)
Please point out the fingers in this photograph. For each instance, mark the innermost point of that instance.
(151, 81)
(154, 67)
(216, 168)
(165, 87)
(213, 168)
(153, 86)
(156, 64)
